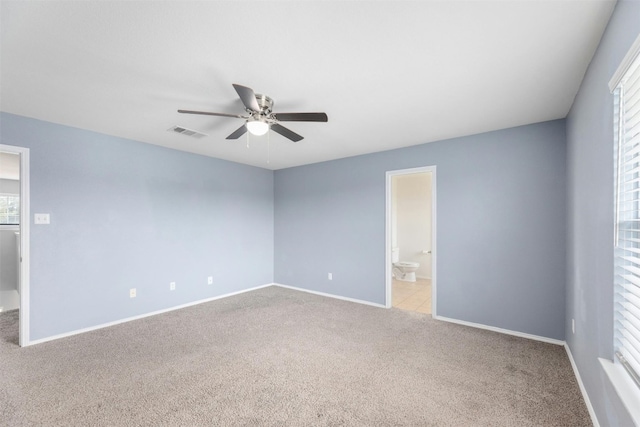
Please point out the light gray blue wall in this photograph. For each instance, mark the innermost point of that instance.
(590, 171)
(125, 214)
(500, 233)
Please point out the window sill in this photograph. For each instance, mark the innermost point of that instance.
(627, 390)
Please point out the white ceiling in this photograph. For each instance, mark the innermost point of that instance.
(388, 73)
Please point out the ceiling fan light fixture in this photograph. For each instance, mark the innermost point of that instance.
(261, 119)
(257, 127)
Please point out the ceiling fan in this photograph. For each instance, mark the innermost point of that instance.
(261, 118)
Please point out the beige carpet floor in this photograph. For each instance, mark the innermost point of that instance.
(278, 357)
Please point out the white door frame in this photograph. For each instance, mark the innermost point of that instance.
(434, 252)
(24, 239)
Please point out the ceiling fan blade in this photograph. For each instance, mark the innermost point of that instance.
(286, 132)
(248, 97)
(301, 117)
(212, 114)
(239, 132)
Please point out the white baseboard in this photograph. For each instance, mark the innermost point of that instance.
(141, 316)
(359, 301)
(500, 330)
(583, 390)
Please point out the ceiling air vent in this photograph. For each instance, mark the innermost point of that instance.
(187, 132)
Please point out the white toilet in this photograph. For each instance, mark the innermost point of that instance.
(403, 270)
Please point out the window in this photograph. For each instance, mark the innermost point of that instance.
(9, 209)
(626, 89)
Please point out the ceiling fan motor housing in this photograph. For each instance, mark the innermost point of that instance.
(261, 117)
(265, 103)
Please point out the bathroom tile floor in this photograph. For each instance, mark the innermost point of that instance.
(413, 296)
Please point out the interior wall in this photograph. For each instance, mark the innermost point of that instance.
(9, 293)
(413, 217)
(9, 296)
(8, 261)
(125, 214)
(591, 215)
(501, 226)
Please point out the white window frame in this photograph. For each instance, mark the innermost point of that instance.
(1, 214)
(622, 375)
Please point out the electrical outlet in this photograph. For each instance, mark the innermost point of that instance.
(172, 286)
(132, 293)
(210, 280)
(573, 325)
(330, 276)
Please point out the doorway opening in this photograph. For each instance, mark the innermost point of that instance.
(14, 242)
(411, 240)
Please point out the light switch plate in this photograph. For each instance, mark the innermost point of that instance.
(42, 218)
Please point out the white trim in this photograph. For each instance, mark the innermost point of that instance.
(324, 294)
(434, 228)
(626, 389)
(631, 55)
(583, 390)
(434, 245)
(142, 316)
(388, 271)
(500, 330)
(25, 225)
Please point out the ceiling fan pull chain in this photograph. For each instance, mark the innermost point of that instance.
(269, 147)
(248, 139)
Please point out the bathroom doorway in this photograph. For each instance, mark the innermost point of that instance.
(410, 240)
(14, 241)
